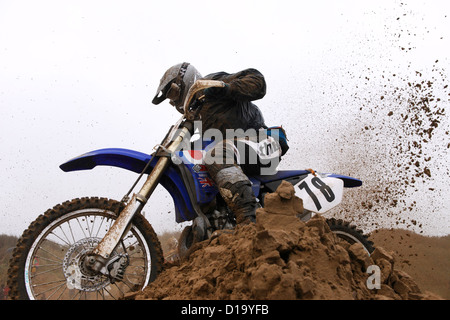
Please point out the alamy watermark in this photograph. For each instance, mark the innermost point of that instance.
(248, 147)
(374, 280)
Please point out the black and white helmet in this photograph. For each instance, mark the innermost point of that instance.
(175, 84)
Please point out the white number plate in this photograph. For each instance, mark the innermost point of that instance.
(320, 194)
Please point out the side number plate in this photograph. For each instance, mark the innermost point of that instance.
(320, 194)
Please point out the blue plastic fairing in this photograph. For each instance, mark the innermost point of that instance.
(280, 175)
(123, 158)
(349, 182)
(135, 161)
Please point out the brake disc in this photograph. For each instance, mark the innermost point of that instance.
(78, 276)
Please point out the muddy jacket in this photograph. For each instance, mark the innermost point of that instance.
(235, 110)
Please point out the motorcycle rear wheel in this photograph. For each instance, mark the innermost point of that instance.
(48, 263)
(349, 233)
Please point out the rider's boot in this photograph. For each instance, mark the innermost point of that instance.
(236, 189)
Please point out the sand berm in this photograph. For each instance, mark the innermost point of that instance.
(282, 258)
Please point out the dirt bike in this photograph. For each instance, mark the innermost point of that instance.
(97, 248)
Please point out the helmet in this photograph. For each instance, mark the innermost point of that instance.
(175, 84)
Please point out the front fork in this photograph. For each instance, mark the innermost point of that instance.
(102, 253)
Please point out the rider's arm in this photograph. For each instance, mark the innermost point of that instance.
(246, 85)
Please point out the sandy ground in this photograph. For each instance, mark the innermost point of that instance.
(282, 258)
(426, 259)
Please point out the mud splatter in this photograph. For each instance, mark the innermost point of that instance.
(398, 130)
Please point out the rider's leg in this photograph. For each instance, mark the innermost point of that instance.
(236, 189)
(234, 186)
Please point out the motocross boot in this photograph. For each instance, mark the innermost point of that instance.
(236, 189)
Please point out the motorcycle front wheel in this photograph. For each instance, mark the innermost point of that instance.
(48, 262)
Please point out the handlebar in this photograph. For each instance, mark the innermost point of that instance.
(195, 88)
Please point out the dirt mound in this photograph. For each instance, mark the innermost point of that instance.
(426, 259)
(282, 258)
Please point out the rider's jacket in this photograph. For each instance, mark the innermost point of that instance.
(235, 110)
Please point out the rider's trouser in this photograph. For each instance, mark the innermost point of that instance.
(224, 163)
(234, 186)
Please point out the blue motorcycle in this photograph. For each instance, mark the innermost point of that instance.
(97, 248)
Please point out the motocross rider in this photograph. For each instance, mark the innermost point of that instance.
(227, 107)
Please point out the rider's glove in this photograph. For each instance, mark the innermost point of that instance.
(217, 92)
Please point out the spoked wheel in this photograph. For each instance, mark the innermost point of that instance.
(349, 233)
(49, 261)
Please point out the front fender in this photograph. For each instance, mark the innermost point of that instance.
(136, 161)
(123, 158)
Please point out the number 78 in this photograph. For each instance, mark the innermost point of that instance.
(322, 187)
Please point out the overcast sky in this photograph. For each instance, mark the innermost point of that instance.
(76, 76)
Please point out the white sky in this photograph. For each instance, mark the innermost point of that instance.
(76, 76)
